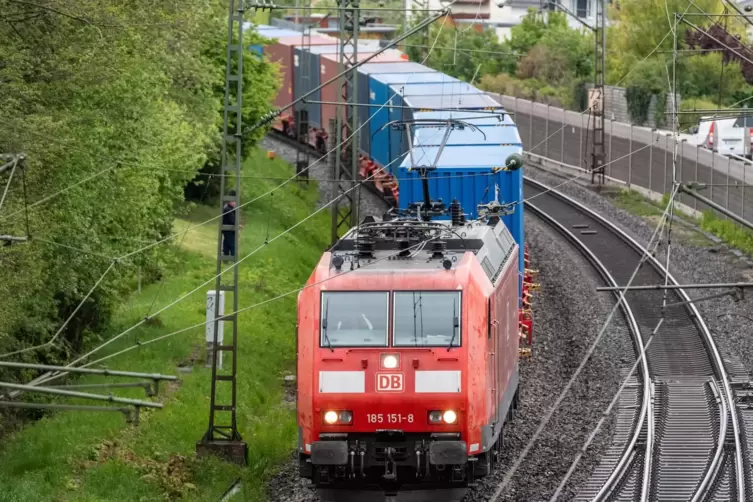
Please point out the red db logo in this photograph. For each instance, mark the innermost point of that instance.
(389, 382)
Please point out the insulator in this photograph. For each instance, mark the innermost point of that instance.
(439, 248)
(456, 213)
(365, 246)
(404, 248)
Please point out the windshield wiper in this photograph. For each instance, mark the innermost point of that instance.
(455, 322)
(324, 325)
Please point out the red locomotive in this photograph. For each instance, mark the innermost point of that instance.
(408, 335)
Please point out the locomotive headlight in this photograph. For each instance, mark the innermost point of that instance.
(342, 417)
(390, 361)
(449, 417)
(443, 417)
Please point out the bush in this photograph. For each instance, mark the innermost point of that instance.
(691, 119)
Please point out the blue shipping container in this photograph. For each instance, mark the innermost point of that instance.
(474, 117)
(501, 134)
(466, 173)
(457, 101)
(365, 72)
(436, 89)
(380, 92)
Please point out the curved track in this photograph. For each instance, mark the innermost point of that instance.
(678, 434)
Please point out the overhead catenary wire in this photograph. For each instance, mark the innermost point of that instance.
(604, 415)
(10, 180)
(183, 233)
(547, 417)
(239, 311)
(256, 250)
(68, 320)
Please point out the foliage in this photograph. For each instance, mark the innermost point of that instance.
(637, 27)
(97, 456)
(730, 232)
(458, 51)
(125, 93)
(648, 81)
(638, 100)
(542, 60)
(704, 75)
(690, 119)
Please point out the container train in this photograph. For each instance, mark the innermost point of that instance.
(411, 326)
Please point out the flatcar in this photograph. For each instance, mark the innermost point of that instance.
(408, 355)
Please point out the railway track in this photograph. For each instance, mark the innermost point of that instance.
(678, 432)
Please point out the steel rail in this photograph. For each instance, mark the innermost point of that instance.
(646, 411)
(727, 401)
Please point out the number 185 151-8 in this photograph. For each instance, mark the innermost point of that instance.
(389, 418)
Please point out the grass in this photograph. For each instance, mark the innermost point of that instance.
(728, 231)
(84, 456)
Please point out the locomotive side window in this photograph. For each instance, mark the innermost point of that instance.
(354, 319)
(427, 319)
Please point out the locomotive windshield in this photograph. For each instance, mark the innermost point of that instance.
(427, 319)
(354, 319)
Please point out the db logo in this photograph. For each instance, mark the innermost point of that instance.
(389, 382)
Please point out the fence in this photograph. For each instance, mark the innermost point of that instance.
(636, 155)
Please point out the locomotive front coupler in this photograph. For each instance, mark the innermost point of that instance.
(389, 461)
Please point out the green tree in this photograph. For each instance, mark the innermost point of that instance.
(125, 94)
(638, 26)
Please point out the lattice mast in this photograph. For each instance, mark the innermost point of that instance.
(301, 113)
(345, 213)
(222, 437)
(597, 100)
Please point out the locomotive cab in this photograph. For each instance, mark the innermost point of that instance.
(407, 357)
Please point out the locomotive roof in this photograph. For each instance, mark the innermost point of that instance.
(378, 244)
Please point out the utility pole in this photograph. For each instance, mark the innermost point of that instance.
(595, 95)
(345, 212)
(222, 437)
(302, 156)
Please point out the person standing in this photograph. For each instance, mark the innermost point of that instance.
(228, 218)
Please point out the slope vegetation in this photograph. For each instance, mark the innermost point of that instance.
(87, 456)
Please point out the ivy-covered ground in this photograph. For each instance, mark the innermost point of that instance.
(86, 456)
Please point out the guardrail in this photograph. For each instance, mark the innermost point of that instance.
(638, 157)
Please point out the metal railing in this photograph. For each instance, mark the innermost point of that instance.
(638, 156)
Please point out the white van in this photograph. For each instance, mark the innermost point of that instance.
(731, 136)
(704, 133)
(735, 137)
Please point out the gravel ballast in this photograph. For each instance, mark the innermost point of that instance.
(567, 318)
(731, 323)
(568, 314)
(320, 170)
